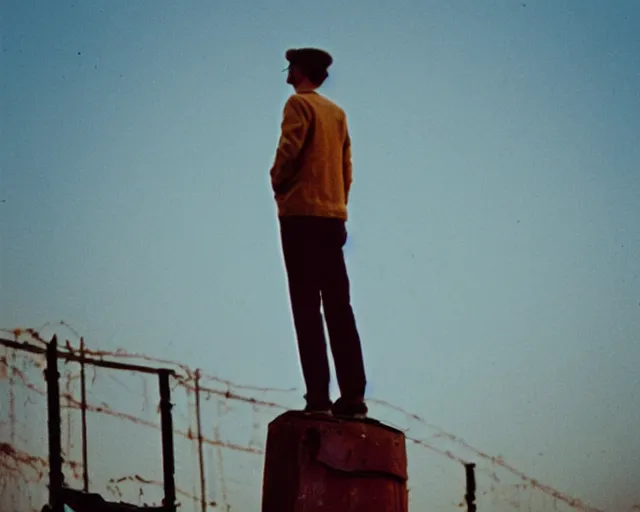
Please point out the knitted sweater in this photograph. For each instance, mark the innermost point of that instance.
(311, 174)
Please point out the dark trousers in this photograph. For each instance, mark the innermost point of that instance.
(316, 272)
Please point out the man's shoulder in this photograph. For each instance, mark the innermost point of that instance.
(297, 103)
(294, 99)
(316, 103)
(326, 103)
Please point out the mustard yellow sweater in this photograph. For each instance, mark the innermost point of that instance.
(312, 171)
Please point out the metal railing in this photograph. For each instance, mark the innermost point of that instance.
(52, 377)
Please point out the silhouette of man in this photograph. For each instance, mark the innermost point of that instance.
(311, 178)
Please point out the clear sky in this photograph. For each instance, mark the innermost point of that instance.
(494, 246)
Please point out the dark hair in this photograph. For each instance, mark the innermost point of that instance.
(316, 75)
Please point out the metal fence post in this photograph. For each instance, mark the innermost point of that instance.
(168, 462)
(53, 412)
(203, 489)
(83, 395)
(470, 496)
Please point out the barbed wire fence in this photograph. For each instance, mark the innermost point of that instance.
(219, 430)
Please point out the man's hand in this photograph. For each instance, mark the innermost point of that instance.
(283, 186)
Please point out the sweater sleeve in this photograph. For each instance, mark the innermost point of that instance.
(295, 125)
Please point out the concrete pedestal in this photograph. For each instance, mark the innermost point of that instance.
(327, 464)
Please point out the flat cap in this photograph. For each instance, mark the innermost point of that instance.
(313, 57)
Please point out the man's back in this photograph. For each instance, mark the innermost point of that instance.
(312, 172)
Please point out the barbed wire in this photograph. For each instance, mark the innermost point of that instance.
(20, 463)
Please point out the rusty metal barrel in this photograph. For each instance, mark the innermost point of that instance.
(328, 464)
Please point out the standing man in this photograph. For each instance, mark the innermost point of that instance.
(311, 178)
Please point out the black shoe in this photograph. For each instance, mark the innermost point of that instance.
(326, 411)
(321, 407)
(350, 408)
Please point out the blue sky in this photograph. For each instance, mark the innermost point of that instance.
(494, 248)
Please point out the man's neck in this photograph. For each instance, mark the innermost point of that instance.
(305, 87)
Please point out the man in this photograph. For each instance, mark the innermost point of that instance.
(311, 178)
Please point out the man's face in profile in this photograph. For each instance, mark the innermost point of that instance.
(294, 76)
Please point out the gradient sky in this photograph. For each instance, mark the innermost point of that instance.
(494, 246)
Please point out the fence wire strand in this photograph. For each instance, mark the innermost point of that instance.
(20, 469)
